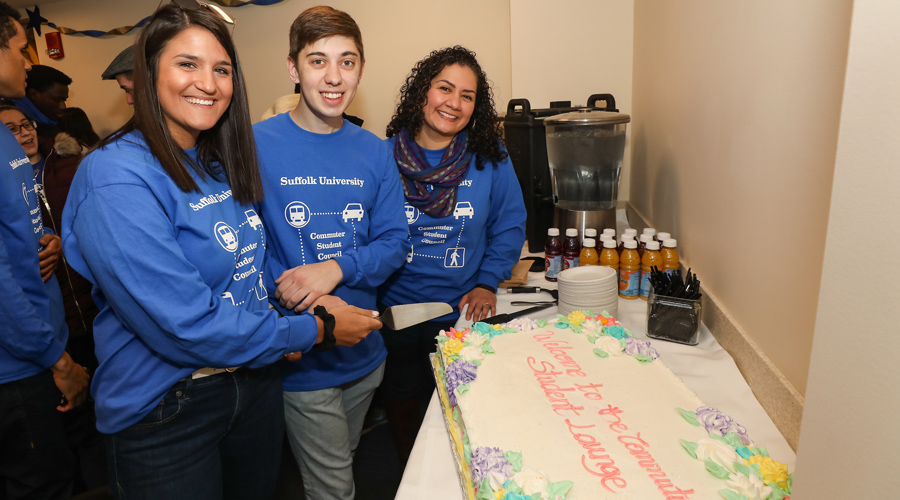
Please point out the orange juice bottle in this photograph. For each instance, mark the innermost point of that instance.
(590, 233)
(651, 258)
(630, 271)
(589, 256)
(669, 256)
(661, 237)
(609, 257)
(625, 237)
(651, 232)
(642, 244)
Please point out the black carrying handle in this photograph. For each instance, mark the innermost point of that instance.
(513, 103)
(610, 101)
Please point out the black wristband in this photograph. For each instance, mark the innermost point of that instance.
(486, 287)
(328, 339)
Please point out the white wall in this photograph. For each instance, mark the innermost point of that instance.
(848, 443)
(736, 109)
(396, 34)
(568, 50)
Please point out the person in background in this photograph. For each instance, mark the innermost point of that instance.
(75, 123)
(45, 96)
(343, 233)
(54, 162)
(160, 219)
(456, 175)
(39, 381)
(121, 69)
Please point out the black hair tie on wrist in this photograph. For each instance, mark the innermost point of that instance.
(328, 339)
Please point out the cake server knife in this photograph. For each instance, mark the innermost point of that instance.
(407, 315)
(504, 318)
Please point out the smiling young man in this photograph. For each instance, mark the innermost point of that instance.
(35, 461)
(335, 224)
(45, 96)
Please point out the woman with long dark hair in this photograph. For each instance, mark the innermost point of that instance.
(465, 213)
(160, 218)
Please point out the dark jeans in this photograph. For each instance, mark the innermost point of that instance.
(210, 438)
(407, 370)
(35, 461)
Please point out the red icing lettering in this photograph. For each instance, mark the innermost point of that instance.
(613, 411)
(591, 391)
(638, 448)
(558, 350)
(554, 393)
(602, 466)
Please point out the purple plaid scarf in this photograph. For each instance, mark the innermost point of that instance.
(417, 174)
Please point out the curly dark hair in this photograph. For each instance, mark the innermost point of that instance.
(483, 129)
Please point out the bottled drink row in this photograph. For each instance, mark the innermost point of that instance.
(631, 256)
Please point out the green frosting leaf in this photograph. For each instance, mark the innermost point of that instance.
(467, 451)
(689, 416)
(606, 314)
(790, 482)
(777, 493)
(476, 362)
(601, 353)
(535, 496)
(733, 439)
(509, 329)
(456, 414)
(515, 459)
(715, 469)
(560, 317)
(487, 348)
(622, 342)
(542, 322)
(742, 468)
(575, 328)
(588, 313)
(484, 491)
(593, 338)
(690, 447)
(453, 357)
(462, 389)
(559, 489)
(762, 451)
(732, 495)
(643, 358)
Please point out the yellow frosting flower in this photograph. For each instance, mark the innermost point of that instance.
(498, 327)
(499, 494)
(576, 317)
(451, 347)
(770, 470)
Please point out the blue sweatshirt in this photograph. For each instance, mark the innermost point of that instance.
(332, 196)
(33, 331)
(478, 244)
(178, 280)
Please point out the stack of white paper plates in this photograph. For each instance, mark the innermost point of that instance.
(595, 288)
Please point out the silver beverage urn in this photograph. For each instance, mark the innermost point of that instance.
(585, 151)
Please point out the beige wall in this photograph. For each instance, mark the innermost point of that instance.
(852, 401)
(567, 50)
(736, 109)
(396, 34)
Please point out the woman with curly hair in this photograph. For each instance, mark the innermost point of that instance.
(465, 213)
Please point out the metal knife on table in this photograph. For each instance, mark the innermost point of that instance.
(504, 318)
(407, 315)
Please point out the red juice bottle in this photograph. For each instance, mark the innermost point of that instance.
(571, 249)
(552, 254)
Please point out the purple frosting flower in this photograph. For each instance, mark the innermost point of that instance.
(459, 373)
(719, 422)
(486, 460)
(634, 346)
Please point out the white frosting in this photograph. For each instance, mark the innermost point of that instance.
(475, 338)
(533, 481)
(606, 424)
(611, 345)
(471, 353)
(718, 452)
(751, 487)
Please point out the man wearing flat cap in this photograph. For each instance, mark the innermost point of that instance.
(121, 69)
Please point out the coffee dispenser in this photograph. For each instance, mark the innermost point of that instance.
(584, 151)
(525, 138)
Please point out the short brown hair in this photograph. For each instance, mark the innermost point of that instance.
(316, 23)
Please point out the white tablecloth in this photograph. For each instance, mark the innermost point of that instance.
(705, 368)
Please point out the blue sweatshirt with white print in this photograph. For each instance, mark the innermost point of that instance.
(33, 331)
(477, 244)
(178, 279)
(332, 196)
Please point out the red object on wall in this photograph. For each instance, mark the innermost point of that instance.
(54, 45)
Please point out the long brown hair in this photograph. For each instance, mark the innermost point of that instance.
(228, 147)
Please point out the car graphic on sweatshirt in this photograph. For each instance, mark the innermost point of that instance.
(463, 209)
(353, 211)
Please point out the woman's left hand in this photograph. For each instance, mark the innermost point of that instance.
(482, 304)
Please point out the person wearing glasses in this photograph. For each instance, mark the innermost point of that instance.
(39, 381)
(334, 219)
(160, 219)
(456, 175)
